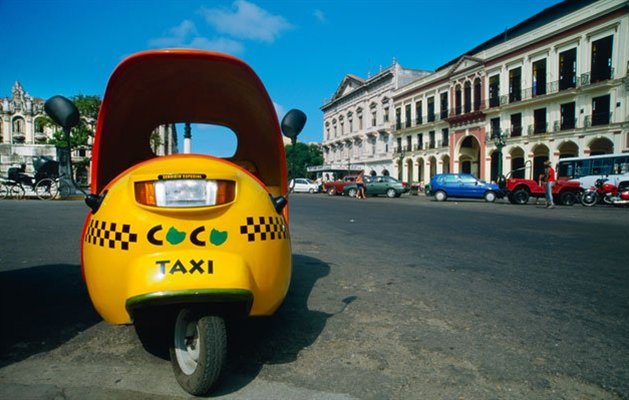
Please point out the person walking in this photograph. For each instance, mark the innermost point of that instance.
(360, 185)
(548, 178)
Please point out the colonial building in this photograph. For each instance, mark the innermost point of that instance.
(357, 122)
(553, 86)
(24, 136)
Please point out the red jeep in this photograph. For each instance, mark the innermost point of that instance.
(519, 190)
(336, 187)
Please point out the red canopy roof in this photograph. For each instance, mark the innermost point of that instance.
(159, 87)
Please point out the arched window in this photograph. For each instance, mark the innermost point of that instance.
(18, 125)
(468, 97)
(477, 94)
(457, 99)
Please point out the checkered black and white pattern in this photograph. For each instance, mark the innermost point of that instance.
(264, 228)
(108, 234)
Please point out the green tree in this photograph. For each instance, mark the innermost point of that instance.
(301, 157)
(88, 108)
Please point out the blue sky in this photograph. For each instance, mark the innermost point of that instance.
(300, 49)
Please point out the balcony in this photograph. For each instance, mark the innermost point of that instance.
(19, 137)
(566, 124)
(40, 137)
(601, 118)
(538, 128)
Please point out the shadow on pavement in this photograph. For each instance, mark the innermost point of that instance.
(42, 308)
(278, 339)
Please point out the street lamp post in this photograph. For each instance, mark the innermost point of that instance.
(499, 138)
(402, 154)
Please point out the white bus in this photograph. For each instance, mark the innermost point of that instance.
(587, 170)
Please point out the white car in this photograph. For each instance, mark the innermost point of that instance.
(303, 185)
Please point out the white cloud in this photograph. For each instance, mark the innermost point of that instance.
(185, 35)
(176, 36)
(246, 21)
(320, 16)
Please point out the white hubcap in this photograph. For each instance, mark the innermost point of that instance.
(187, 347)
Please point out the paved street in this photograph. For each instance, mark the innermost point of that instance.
(391, 299)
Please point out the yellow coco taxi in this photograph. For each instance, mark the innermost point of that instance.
(186, 240)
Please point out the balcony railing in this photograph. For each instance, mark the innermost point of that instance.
(538, 128)
(566, 124)
(601, 118)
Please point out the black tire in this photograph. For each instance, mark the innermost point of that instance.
(490, 196)
(65, 190)
(352, 192)
(16, 192)
(199, 351)
(589, 199)
(46, 189)
(568, 198)
(331, 191)
(521, 196)
(510, 198)
(391, 193)
(440, 195)
(4, 191)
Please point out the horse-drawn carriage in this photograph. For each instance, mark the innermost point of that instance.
(44, 184)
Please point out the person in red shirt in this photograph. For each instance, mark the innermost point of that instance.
(549, 179)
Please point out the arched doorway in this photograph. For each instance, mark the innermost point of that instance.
(568, 149)
(540, 155)
(601, 146)
(433, 166)
(517, 162)
(420, 169)
(409, 170)
(469, 156)
(445, 160)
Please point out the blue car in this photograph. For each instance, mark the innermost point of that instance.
(443, 186)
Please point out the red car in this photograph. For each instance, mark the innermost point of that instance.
(336, 187)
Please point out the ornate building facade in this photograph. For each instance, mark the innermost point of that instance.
(357, 131)
(553, 86)
(23, 136)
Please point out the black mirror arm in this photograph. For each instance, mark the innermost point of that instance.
(279, 203)
(94, 201)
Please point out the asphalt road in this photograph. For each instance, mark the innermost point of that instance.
(391, 298)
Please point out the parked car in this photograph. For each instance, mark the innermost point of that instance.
(376, 185)
(336, 187)
(443, 186)
(303, 185)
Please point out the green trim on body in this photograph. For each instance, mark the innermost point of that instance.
(194, 296)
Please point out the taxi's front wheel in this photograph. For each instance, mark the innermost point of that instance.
(199, 351)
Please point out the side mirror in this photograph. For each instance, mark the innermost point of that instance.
(62, 111)
(292, 124)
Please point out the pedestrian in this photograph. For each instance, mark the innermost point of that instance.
(548, 178)
(360, 185)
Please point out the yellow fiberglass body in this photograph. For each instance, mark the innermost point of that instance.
(135, 254)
